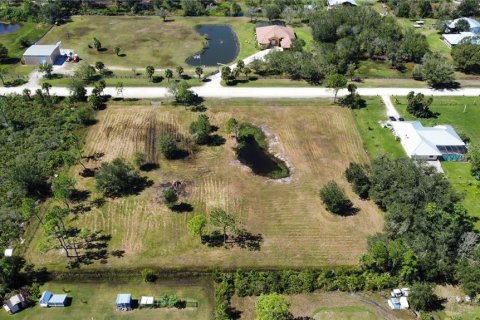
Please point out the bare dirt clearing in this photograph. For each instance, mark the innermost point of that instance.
(317, 139)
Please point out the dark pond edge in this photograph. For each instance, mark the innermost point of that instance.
(237, 42)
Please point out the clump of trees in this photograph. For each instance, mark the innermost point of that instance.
(168, 147)
(418, 105)
(466, 56)
(335, 199)
(181, 92)
(118, 178)
(357, 175)
(436, 70)
(272, 306)
(201, 129)
(353, 100)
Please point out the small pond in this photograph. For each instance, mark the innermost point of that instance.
(222, 46)
(252, 151)
(8, 28)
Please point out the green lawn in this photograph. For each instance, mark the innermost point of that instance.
(357, 312)
(376, 140)
(144, 40)
(95, 300)
(381, 69)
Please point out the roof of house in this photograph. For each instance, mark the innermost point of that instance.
(41, 50)
(16, 299)
(474, 24)
(285, 33)
(423, 141)
(124, 298)
(146, 300)
(337, 2)
(455, 38)
(46, 296)
(58, 299)
(8, 252)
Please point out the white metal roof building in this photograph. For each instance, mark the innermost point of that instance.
(341, 2)
(452, 39)
(38, 54)
(429, 143)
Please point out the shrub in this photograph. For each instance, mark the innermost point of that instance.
(168, 147)
(148, 275)
(118, 178)
(335, 199)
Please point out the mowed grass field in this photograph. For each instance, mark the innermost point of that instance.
(328, 306)
(144, 40)
(317, 139)
(96, 300)
(451, 111)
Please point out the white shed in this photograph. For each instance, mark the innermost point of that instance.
(38, 54)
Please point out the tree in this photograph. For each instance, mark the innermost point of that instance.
(182, 93)
(252, 12)
(139, 159)
(97, 44)
(116, 50)
(356, 174)
(3, 73)
(29, 209)
(148, 275)
(163, 13)
(235, 9)
(46, 87)
(272, 11)
(199, 72)
(289, 14)
(473, 157)
(192, 8)
(233, 126)
(246, 72)
(99, 65)
(119, 88)
(422, 297)
(85, 72)
(437, 70)
(462, 25)
(3, 52)
(168, 74)
(46, 68)
(77, 89)
(351, 68)
(196, 225)
(336, 82)
(179, 70)
(466, 56)
(227, 75)
(149, 71)
(118, 178)
(468, 272)
(170, 197)
(468, 8)
(335, 199)
(272, 306)
(418, 105)
(168, 147)
(219, 218)
(63, 187)
(200, 129)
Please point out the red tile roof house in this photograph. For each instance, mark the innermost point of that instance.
(275, 36)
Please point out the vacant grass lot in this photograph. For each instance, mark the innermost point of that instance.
(451, 111)
(329, 306)
(316, 138)
(376, 139)
(144, 40)
(96, 300)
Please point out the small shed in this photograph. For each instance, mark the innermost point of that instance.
(146, 302)
(49, 299)
(14, 304)
(123, 301)
(38, 54)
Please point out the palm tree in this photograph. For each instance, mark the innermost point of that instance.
(46, 86)
(246, 71)
(179, 71)
(168, 74)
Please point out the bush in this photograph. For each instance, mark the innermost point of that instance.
(148, 275)
(118, 178)
(335, 199)
(356, 174)
(422, 297)
(170, 197)
(200, 129)
(168, 147)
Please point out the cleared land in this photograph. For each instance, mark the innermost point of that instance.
(95, 300)
(144, 40)
(316, 138)
(329, 306)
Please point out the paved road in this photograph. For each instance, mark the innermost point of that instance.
(259, 93)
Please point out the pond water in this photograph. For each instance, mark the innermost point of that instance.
(8, 28)
(257, 158)
(222, 46)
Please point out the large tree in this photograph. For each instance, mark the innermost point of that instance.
(272, 306)
(336, 82)
(221, 219)
(335, 199)
(466, 56)
(63, 187)
(437, 70)
(200, 129)
(418, 105)
(118, 178)
(196, 225)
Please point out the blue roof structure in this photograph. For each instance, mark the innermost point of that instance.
(474, 24)
(123, 299)
(58, 299)
(46, 296)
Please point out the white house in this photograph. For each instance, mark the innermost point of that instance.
(429, 143)
(452, 37)
(38, 54)
(14, 304)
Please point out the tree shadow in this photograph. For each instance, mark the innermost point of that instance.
(180, 154)
(198, 108)
(121, 55)
(214, 239)
(147, 167)
(182, 207)
(245, 239)
(233, 313)
(216, 140)
(79, 195)
(102, 49)
(186, 77)
(157, 79)
(118, 253)
(10, 60)
(447, 86)
(88, 173)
